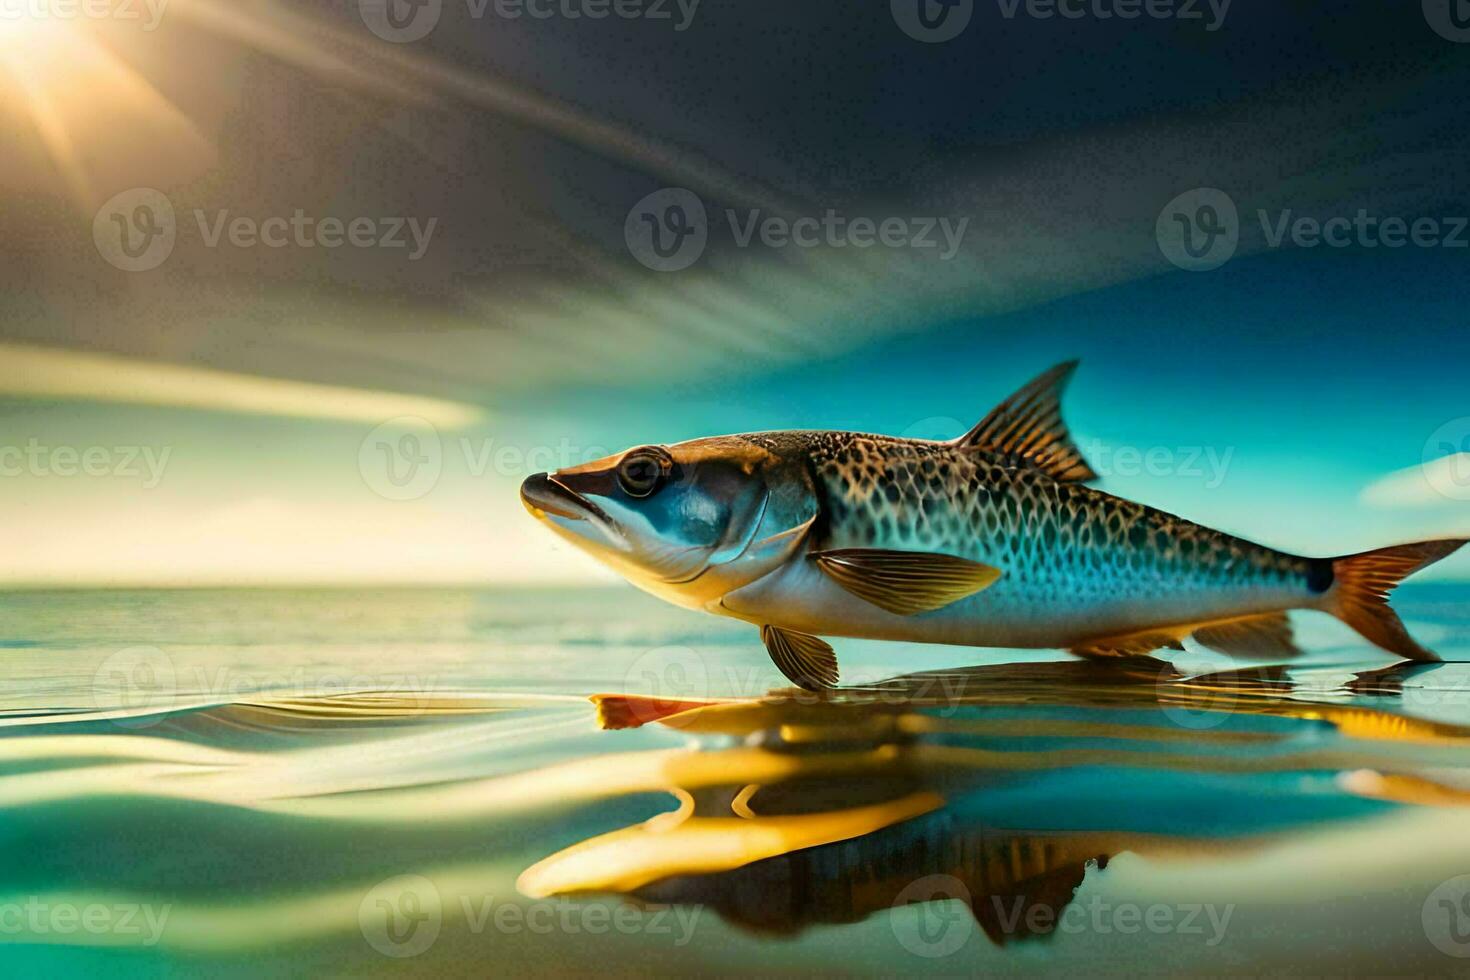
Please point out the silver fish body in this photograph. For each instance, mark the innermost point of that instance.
(993, 539)
(1077, 562)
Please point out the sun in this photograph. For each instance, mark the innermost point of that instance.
(19, 27)
(76, 74)
(67, 75)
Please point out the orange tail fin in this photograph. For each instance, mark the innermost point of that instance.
(1361, 583)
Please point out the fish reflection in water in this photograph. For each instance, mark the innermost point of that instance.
(1003, 787)
(269, 827)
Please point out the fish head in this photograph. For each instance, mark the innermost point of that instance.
(688, 522)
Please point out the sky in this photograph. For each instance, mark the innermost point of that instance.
(244, 402)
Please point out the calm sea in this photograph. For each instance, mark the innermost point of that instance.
(362, 782)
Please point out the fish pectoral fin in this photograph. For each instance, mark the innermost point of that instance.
(905, 582)
(1130, 644)
(1266, 637)
(807, 661)
(1028, 427)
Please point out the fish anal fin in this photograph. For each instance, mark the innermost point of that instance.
(1130, 644)
(1028, 426)
(806, 661)
(1266, 637)
(905, 582)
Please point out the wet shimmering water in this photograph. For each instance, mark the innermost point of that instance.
(415, 781)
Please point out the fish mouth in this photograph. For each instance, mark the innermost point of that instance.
(542, 495)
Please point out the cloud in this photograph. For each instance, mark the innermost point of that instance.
(1437, 483)
(40, 372)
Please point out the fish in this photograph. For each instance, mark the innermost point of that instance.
(992, 539)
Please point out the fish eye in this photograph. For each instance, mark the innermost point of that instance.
(642, 472)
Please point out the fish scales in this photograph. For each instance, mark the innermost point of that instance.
(1067, 549)
(992, 539)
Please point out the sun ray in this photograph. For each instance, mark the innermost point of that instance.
(27, 58)
(83, 99)
(310, 42)
(287, 36)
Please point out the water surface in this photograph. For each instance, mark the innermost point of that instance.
(415, 781)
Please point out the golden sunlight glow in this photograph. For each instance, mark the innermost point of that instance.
(19, 28)
(32, 53)
(84, 103)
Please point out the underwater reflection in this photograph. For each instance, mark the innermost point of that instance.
(286, 828)
(1002, 787)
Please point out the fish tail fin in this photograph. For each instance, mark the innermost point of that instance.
(1360, 586)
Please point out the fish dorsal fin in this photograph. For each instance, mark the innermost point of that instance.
(807, 661)
(1028, 426)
